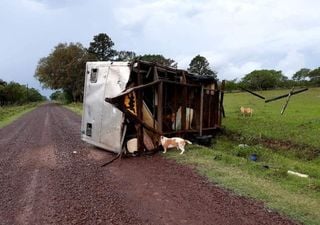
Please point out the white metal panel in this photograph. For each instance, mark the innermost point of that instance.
(113, 118)
(106, 120)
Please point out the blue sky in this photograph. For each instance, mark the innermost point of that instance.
(235, 36)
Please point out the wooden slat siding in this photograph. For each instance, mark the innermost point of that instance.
(222, 113)
(160, 103)
(209, 106)
(184, 102)
(201, 111)
(139, 110)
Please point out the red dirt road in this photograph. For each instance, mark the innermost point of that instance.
(43, 182)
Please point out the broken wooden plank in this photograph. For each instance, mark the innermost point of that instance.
(251, 92)
(286, 104)
(286, 95)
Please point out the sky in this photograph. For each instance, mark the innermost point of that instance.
(236, 36)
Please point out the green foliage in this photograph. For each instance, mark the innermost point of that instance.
(125, 56)
(15, 93)
(64, 69)
(200, 65)
(160, 59)
(61, 97)
(231, 85)
(302, 74)
(263, 79)
(314, 76)
(102, 47)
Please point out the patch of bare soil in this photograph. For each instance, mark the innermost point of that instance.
(43, 181)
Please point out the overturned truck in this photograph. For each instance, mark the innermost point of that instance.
(128, 106)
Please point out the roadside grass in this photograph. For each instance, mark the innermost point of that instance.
(75, 107)
(299, 125)
(8, 114)
(229, 166)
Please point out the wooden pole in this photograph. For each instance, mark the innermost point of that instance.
(285, 105)
(201, 111)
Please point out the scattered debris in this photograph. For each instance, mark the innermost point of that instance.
(253, 157)
(243, 145)
(298, 174)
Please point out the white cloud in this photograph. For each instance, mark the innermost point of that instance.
(292, 62)
(235, 36)
(238, 33)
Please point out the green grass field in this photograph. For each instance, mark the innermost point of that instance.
(8, 114)
(299, 126)
(281, 143)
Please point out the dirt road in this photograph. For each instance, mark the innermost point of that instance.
(43, 182)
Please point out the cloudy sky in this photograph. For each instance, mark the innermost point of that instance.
(236, 36)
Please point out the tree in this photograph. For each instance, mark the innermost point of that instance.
(3, 96)
(263, 79)
(302, 74)
(101, 47)
(231, 85)
(160, 59)
(314, 76)
(125, 56)
(200, 65)
(64, 69)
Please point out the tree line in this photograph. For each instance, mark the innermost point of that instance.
(15, 93)
(272, 79)
(64, 68)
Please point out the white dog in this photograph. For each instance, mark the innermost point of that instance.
(177, 142)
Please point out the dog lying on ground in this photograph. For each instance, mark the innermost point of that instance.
(177, 142)
(246, 111)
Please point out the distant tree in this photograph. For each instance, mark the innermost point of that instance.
(314, 76)
(64, 69)
(302, 74)
(125, 56)
(3, 96)
(59, 96)
(263, 79)
(160, 59)
(34, 95)
(102, 47)
(3, 83)
(15, 93)
(231, 85)
(200, 65)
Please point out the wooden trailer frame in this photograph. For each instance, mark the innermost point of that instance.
(161, 100)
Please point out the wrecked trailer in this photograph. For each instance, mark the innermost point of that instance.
(128, 106)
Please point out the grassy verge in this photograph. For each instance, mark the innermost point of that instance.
(299, 126)
(75, 107)
(8, 114)
(265, 179)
